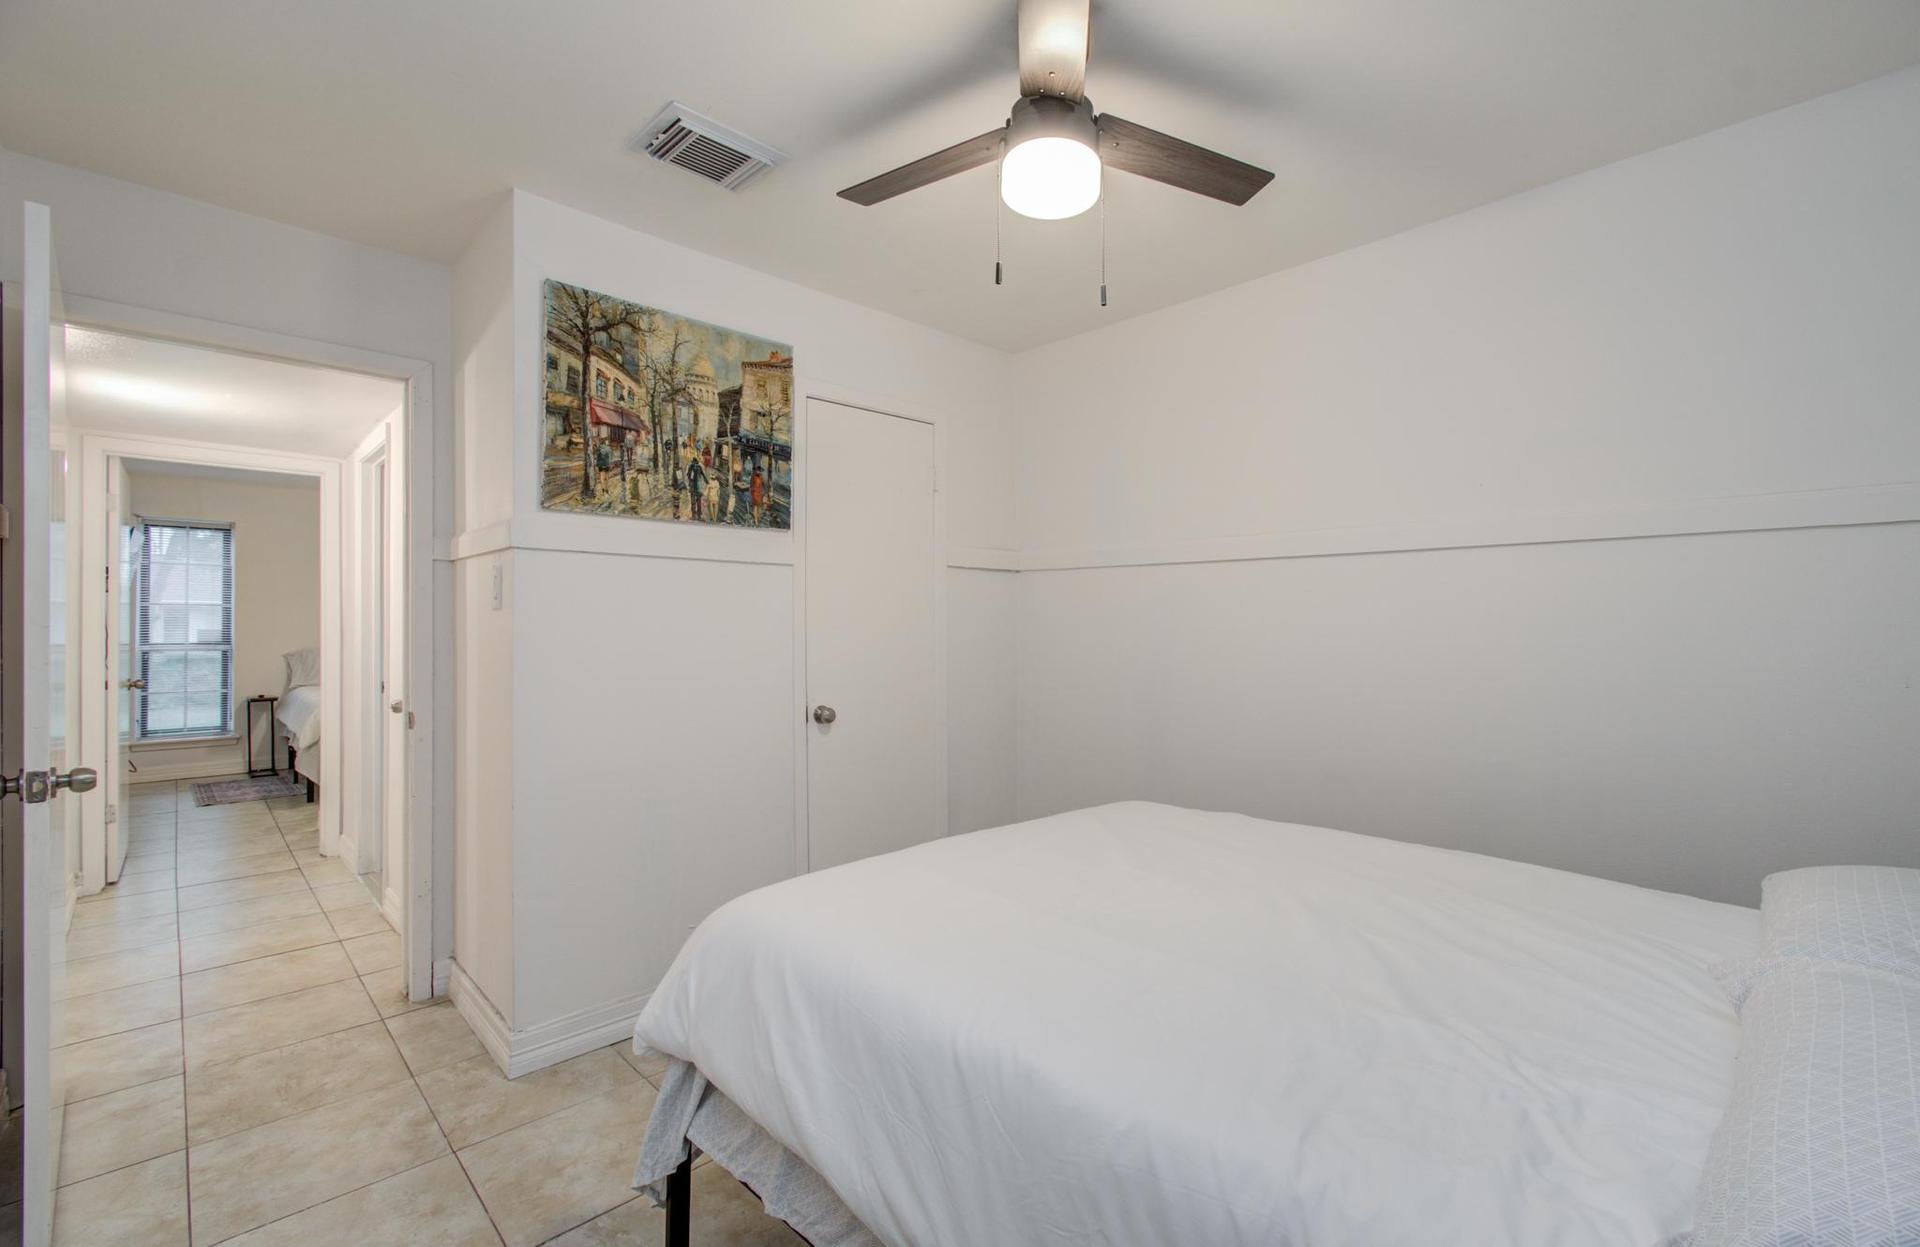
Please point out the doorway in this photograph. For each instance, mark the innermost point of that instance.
(875, 747)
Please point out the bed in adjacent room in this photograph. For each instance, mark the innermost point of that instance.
(298, 715)
(1137, 1024)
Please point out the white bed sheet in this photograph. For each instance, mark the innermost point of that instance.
(1137, 1024)
(299, 712)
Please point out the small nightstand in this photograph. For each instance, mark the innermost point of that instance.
(257, 772)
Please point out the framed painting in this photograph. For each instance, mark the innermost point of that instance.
(661, 417)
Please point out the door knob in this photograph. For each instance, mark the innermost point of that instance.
(133, 683)
(824, 715)
(395, 706)
(79, 779)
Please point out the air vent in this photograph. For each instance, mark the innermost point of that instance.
(699, 144)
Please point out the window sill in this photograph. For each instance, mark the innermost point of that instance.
(183, 742)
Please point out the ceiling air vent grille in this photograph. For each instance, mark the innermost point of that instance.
(699, 144)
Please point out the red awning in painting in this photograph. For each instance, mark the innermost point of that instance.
(615, 417)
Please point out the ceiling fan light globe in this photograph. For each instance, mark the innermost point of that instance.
(1050, 178)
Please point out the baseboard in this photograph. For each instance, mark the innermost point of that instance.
(161, 772)
(537, 1047)
(390, 910)
(442, 975)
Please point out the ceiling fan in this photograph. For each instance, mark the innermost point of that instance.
(1052, 150)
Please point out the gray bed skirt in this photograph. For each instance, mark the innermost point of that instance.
(693, 1111)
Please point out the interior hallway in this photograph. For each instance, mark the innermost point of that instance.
(243, 1066)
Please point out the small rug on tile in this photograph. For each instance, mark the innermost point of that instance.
(228, 791)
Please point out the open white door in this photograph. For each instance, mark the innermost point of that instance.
(118, 618)
(37, 867)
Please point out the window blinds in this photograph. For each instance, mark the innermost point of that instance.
(185, 630)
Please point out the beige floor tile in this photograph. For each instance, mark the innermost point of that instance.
(434, 1037)
(138, 965)
(203, 952)
(239, 814)
(388, 989)
(147, 863)
(154, 881)
(84, 942)
(110, 906)
(229, 849)
(433, 1204)
(121, 1009)
(144, 1204)
(226, 831)
(725, 1214)
(194, 872)
(475, 1101)
(563, 1170)
(652, 1066)
(247, 981)
(118, 1061)
(200, 896)
(374, 952)
(229, 1034)
(236, 914)
(334, 896)
(252, 1091)
(358, 919)
(122, 1128)
(301, 840)
(248, 1179)
(326, 870)
(298, 817)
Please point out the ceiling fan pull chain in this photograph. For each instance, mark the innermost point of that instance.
(1103, 249)
(996, 225)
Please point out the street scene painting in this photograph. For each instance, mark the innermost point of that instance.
(661, 417)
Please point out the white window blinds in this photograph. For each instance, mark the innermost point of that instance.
(184, 631)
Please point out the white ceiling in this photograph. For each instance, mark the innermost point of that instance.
(400, 125)
(219, 472)
(122, 384)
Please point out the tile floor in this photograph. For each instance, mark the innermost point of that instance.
(243, 1066)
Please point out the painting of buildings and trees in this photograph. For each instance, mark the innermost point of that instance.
(657, 416)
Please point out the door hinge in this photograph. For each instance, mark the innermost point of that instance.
(6, 522)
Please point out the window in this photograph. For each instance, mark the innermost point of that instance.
(184, 633)
(600, 384)
(553, 363)
(573, 379)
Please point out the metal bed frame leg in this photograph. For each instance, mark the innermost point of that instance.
(679, 1203)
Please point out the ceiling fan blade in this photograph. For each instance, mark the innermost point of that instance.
(1151, 154)
(945, 163)
(1053, 48)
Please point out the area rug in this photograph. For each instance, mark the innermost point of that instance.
(229, 791)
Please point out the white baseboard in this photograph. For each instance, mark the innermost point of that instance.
(442, 975)
(535, 1048)
(390, 910)
(156, 772)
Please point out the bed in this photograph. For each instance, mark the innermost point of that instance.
(1137, 1024)
(298, 715)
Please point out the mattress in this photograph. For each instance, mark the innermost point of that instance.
(1137, 1024)
(298, 711)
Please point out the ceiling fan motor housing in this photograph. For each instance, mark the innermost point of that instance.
(1049, 116)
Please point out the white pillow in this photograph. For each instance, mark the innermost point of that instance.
(1866, 915)
(1820, 1145)
(303, 668)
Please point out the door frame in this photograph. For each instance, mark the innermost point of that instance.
(899, 409)
(97, 451)
(421, 694)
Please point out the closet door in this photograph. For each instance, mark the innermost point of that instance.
(873, 735)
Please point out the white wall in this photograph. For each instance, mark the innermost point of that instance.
(647, 771)
(1721, 333)
(136, 246)
(276, 592)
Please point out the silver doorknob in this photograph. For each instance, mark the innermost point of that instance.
(79, 779)
(134, 683)
(824, 715)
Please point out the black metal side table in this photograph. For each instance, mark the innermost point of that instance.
(257, 772)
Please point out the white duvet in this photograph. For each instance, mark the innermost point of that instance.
(1144, 1025)
(299, 713)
